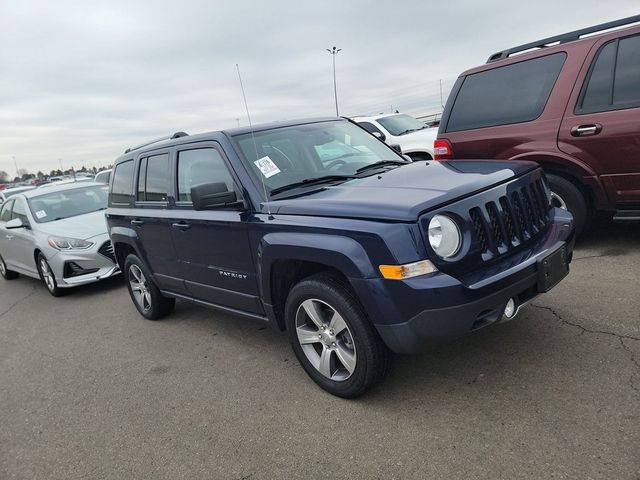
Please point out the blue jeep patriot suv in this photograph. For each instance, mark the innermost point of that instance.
(318, 228)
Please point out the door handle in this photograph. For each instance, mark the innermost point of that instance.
(181, 225)
(586, 130)
(137, 223)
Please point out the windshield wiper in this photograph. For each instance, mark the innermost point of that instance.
(311, 181)
(381, 163)
(408, 130)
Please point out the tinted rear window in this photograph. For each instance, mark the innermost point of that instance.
(598, 91)
(613, 80)
(122, 186)
(155, 178)
(626, 89)
(511, 94)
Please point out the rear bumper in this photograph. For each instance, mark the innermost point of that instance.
(415, 315)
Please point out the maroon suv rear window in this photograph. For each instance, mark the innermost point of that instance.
(511, 94)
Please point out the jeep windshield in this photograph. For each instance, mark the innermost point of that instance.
(300, 156)
(401, 124)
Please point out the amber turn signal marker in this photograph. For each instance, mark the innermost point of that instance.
(402, 272)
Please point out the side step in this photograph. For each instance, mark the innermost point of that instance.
(627, 215)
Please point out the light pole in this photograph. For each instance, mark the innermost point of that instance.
(334, 51)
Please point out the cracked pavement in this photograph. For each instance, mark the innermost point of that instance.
(88, 389)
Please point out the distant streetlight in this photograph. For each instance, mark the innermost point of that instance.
(15, 164)
(334, 51)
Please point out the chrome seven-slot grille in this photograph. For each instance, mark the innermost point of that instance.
(513, 220)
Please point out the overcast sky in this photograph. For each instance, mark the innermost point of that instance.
(81, 81)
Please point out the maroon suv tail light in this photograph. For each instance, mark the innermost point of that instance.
(442, 149)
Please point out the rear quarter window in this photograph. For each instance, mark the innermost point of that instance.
(122, 185)
(511, 94)
(613, 81)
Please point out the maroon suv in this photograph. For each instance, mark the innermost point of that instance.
(570, 103)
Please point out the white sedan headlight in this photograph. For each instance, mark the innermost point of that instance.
(444, 236)
(65, 243)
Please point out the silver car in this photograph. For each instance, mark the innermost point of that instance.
(57, 234)
(9, 192)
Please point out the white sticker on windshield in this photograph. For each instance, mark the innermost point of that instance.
(41, 214)
(267, 167)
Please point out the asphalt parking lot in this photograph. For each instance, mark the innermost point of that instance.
(89, 389)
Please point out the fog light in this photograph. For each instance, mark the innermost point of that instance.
(510, 309)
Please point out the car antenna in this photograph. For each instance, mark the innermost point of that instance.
(253, 138)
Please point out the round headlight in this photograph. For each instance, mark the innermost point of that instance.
(444, 236)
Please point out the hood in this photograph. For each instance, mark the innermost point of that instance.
(81, 227)
(403, 193)
(425, 134)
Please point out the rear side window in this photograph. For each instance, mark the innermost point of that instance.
(200, 166)
(626, 89)
(613, 82)
(5, 213)
(122, 185)
(597, 95)
(19, 211)
(369, 127)
(153, 178)
(510, 94)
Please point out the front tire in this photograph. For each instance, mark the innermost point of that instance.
(568, 196)
(5, 272)
(146, 296)
(332, 337)
(48, 277)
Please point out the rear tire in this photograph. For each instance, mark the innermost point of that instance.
(565, 194)
(146, 296)
(5, 272)
(336, 344)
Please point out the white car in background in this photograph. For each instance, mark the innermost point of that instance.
(8, 192)
(67, 181)
(414, 137)
(103, 176)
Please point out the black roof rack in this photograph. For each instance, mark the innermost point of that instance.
(564, 38)
(170, 137)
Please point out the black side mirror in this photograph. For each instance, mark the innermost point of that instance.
(379, 135)
(212, 195)
(397, 148)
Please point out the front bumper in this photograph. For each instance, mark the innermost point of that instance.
(79, 267)
(436, 308)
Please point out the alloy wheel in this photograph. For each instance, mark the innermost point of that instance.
(558, 201)
(139, 287)
(3, 267)
(47, 275)
(326, 339)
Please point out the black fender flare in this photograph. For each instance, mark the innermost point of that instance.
(339, 252)
(124, 235)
